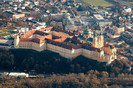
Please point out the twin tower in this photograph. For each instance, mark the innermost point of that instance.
(98, 41)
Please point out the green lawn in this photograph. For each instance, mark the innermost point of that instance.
(98, 3)
(4, 32)
(131, 2)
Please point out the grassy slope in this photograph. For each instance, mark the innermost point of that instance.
(98, 3)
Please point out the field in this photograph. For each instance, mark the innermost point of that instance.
(4, 32)
(98, 3)
(131, 2)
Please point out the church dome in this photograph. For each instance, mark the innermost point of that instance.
(87, 31)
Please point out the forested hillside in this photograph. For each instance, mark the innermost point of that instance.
(49, 62)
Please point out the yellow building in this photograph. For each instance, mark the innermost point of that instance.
(65, 43)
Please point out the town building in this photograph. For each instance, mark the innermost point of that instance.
(17, 16)
(17, 74)
(4, 43)
(101, 21)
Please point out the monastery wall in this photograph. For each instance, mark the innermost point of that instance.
(32, 45)
(62, 51)
(110, 51)
(77, 52)
(91, 54)
(25, 45)
(107, 58)
(67, 53)
(38, 47)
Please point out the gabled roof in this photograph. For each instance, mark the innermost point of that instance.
(28, 34)
(49, 28)
(67, 43)
(85, 46)
(60, 39)
(61, 30)
(40, 33)
(107, 45)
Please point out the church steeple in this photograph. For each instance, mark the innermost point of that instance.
(98, 40)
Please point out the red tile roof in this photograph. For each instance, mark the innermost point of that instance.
(49, 28)
(125, 44)
(49, 37)
(68, 43)
(26, 39)
(107, 45)
(60, 39)
(28, 34)
(61, 30)
(40, 33)
(64, 45)
(85, 46)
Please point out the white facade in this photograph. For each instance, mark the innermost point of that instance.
(67, 53)
(128, 10)
(17, 16)
(16, 74)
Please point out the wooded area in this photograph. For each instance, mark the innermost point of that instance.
(49, 62)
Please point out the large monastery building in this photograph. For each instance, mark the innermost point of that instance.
(66, 44)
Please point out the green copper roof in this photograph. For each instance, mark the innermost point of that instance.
(87, 31)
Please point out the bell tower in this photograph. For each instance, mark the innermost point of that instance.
(95, 40)
(16, 42)
(98, 40)
(101, 39)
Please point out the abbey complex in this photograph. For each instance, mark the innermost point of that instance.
(67, 44)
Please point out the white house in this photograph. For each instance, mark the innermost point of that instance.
(16, 74)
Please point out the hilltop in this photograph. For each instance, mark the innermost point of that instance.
(48, 62)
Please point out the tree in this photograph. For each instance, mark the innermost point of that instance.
(104, 74)
(80, 8)
(121, 75)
